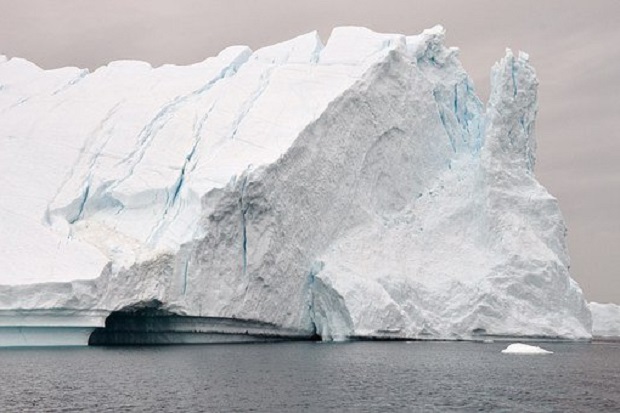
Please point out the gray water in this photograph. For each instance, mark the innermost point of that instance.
(305, 376)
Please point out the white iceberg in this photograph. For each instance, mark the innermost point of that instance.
(354, 190)
(519, 348)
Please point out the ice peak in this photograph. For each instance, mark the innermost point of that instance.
(300, 49)
(512, 109)
(129, 65)
(437, 31)
(524, 56)
(429, 46)
(352, 45)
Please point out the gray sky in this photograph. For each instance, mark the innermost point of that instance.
(574, 45)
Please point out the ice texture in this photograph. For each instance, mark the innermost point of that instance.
(518, 348)
(605, 320)
(356, 189)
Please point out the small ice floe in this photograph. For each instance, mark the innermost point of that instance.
(519, 348)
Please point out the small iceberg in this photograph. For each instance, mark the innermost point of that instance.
(519, 348)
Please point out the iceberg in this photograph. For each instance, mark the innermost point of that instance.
(605, 320)
(353, 190)
(518, 348)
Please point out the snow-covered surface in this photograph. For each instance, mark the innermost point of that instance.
(354, 189)
(518, 348)
(605, 320)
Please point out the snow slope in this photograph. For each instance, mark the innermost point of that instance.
(605, 320)
(356, 189)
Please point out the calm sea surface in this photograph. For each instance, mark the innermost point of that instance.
(290, 377)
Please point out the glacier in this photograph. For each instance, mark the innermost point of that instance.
(353, 190)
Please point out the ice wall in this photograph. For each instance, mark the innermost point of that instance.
(605, 320)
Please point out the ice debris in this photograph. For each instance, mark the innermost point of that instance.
(519, 348)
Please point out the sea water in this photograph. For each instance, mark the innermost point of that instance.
(306, 376)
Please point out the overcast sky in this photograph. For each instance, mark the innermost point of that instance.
(574, 45)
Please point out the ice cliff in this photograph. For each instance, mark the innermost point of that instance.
(357, 189)
(605, 320)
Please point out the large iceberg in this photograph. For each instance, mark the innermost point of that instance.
(354, 190)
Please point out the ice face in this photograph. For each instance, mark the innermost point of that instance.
(605, 320)
(357, 188)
